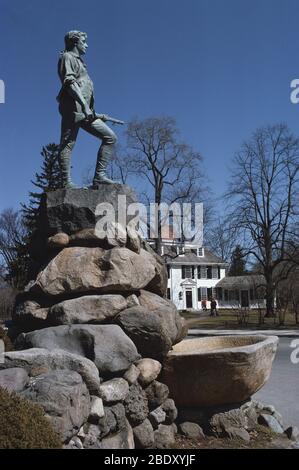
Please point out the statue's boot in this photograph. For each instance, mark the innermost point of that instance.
(65, 165)
(100, 176)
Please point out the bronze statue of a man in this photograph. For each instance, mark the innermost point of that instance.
(76, 106)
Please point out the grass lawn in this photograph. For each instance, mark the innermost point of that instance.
(231, 319)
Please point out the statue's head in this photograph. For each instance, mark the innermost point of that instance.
(75, 38)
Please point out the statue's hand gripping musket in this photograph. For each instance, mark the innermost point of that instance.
(104, 117)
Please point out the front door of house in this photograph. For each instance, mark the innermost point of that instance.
(189, 303)
(244, 298)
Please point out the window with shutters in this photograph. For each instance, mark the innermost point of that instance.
(187, 272)
(203, 272)
(215, 272)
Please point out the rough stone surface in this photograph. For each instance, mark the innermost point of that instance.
(157, 417)
(133, 240)
(136, 405)
(82, 270)
(87, 309)
(75, 443)
(91, 438)
(114, 419)
(114, 390)
(144, 435)
(96, 410)
(59, 240)
(230, 423)
(116, 234)
(167, 313)
(106, 345)
(293, 433)
(165, 437)
(64, 398)
(149, 370)
(170, 410)
(36, 361)
(14, 379)
(72, 210)
(156, 393)
(270, 422)
(132, 374)
(191, 430)
(124, 439)
(132, 301)
(30, 314)
(146, 331)
(218, 370)
(158, 285)
(87, 237)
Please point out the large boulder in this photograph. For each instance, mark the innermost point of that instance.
(14, 379)
(146, 331)
(166, 311)
(106, 345)
(37, 361)
(154, 326)
(78, 270)
(64, 398)
(158, 284)
(87, 309)
(71, 210)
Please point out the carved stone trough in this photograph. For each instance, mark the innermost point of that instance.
(218, 370)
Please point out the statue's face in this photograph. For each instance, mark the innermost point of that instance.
(82, 45)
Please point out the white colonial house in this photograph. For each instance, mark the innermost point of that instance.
(196, 275)
(193, 274)
(241, 291)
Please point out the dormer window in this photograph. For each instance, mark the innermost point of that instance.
(200, 252)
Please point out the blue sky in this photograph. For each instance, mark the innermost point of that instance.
(221, 68)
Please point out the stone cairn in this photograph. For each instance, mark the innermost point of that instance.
(93, 328)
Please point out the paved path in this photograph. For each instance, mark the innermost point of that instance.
(280, 333)
(282, 389)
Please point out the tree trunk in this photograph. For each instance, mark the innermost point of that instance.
(270, 291)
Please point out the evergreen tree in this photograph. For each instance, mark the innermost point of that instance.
(238, 263)
(48, 179)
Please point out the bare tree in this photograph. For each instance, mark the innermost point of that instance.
(170, 169)
(222, 239)
(263, 200)
(12, 246)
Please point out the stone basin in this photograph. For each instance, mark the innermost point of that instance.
(218, 370)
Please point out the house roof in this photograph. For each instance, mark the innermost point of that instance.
(171, 257)
(245, 282)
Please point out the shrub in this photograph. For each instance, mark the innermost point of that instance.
(23, 424)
